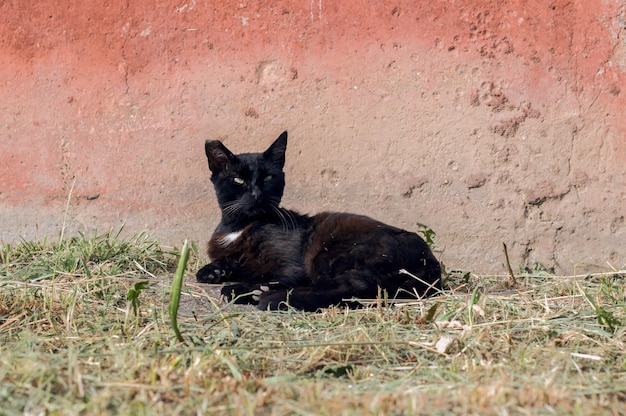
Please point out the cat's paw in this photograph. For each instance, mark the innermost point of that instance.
(258, 293)
(239, 293)
(272, 300)
(211, 273)
(265, 295)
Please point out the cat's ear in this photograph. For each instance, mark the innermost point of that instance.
(220, 158)
(276, 152)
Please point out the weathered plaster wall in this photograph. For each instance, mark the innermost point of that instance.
(490, 121)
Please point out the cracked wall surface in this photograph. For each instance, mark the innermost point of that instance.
(489, 121)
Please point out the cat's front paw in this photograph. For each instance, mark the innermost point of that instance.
(240, 293)
(211, 273)
(258, 293)
(254, 294)
(272, 299)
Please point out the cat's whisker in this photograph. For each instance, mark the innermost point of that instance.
(280, 217)
(287, 218)
(231, 208)
(292, 218)
(289, 215)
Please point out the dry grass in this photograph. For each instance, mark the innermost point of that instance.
(71, 343)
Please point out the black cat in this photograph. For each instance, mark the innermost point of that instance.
(279, 257)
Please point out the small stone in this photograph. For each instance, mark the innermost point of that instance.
(475, 180)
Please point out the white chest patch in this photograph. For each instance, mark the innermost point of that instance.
(231, 237)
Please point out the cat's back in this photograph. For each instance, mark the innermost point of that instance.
(348, 225)
(356, 241)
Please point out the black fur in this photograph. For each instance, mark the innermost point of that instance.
(279, 257)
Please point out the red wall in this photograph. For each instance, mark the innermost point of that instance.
(117, 98)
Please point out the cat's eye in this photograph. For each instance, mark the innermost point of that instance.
(267, 178)
(238, 181)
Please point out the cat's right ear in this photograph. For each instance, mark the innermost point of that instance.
(276, 152)
(219, 157)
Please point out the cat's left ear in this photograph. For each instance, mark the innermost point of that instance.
(220, 158)
(276, 152)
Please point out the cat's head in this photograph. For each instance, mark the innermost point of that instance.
(248, 185)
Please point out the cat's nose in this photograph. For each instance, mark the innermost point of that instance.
(256, 193)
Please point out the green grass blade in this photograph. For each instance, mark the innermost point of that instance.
(176, 287)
